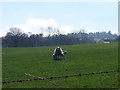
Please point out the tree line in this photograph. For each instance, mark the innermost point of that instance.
(16, 38)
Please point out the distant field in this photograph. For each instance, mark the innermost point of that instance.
(85, 58)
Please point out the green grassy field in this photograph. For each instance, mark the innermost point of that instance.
(85, 58)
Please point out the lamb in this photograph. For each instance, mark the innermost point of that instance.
(58, 53)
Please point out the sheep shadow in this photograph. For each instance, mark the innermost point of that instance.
(58, 59)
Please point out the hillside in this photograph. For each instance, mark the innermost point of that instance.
(81, 59)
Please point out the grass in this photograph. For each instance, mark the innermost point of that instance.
(85, 58)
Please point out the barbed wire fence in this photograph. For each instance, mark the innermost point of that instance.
(44, 79)
(56, 77)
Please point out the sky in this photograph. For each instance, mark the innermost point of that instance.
(68, 17)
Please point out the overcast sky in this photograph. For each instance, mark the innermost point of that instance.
(67, 16)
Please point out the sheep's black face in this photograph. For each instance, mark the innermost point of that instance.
(65, 52)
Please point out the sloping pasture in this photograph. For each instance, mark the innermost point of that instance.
(80, 59)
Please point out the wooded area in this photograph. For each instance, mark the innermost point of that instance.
(16, 38)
